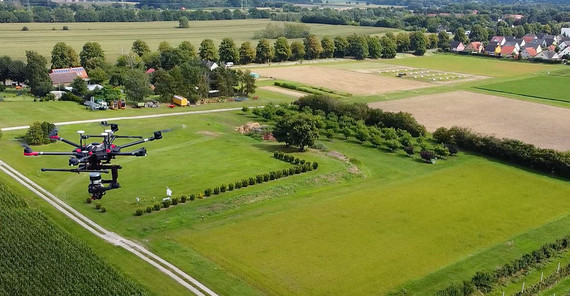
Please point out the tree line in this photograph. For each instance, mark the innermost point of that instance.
(514, 151)
(70, 13)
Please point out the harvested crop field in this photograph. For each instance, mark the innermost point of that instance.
(293, 93)
(341, 80)
(542, 125)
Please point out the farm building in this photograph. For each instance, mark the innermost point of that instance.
(64, 76)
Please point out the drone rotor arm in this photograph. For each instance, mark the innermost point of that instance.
(58, 138)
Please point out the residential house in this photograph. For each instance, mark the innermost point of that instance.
(456, 46)
(493, 49)
(474, 47)
(210, 65)
(534, 45)
(534, 42)
(547, 55)
(509, 51)
(529, 37)
(512, 43)
(565, 53)
(498, 39)
(528, 53)
(64, 76)
(563, 44)
(565, 32)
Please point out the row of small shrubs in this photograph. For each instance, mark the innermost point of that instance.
(546, 282)
(515, 151)
(302, 166)
(321, 91)
(294, 160)
(483, 281)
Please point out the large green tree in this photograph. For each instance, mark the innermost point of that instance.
(92, 56)
(313, 47)
(300, 129)
(357, 46)
(228, 51)
(403, 42)
(340, 47)
(374, 47)
(282, 49)
(140, 47)
(264, 51)
(459, 35)
(208, 51)
(328, 47)
(183, 22)
(418, 43)
(5, 62)
(443, 40)
(388, 47)
(246, 53)
(37, 74)
(17, 71)
(297, 50)
(479, 33)
(137, 85)
(188, 50)
(63, 56)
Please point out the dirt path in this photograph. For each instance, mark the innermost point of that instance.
(293, 93)
(172, 271)
(542, 125)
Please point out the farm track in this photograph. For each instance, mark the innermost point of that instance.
(164, 266)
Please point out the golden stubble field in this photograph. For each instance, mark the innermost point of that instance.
(542, 125)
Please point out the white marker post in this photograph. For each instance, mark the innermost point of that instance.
(522, 291)
(541, 276)
(558, 269)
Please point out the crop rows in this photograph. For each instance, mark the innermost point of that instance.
(39, 258)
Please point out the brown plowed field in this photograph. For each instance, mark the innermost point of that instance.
(542, 125)
(341, 80)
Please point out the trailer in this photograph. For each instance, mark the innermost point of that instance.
(180, 101)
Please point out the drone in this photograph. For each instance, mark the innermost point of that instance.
(95, 158)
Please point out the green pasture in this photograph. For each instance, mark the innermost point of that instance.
(395, 220)
(22, 110)
(117, 38)
(546, 87)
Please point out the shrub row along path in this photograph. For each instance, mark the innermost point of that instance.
(542, 125)
(164, 266)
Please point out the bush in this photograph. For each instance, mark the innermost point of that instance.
(175, 201)
(216, 190)
(138, 212)
(200, 195)
(223, 188)
(149, 209)
(192, 197)
(303, 168)
(285, 172)
(238, 185)
(244, 183)
(315, 165)
(166, 203)
(24, 28)
(409, 150)
(278, 174)
(183, 198)
(65, 28)
(103, 210)
(70, 97)
(208, 192)
(230, 187)
(259, 178)
(427, 155)
(296, 161)
(291, 171)
(156, 207)
(298, 170)
(97, 206)
(251, 181)
(89, 200)
(265, 177)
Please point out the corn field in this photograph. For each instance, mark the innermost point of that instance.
(40, 258)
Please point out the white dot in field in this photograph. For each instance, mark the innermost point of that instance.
(183, 126)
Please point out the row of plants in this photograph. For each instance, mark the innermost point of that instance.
(546, 283)
(40, 258)
(307, 89)
(301, 166)
(515, 151)
(484, 281)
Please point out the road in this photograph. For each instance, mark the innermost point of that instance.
(164, 266)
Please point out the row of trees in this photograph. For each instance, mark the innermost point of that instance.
(483, 281)
(515, 151)
(14, 13)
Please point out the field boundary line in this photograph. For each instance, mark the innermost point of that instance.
(519, 94)
(162, 265)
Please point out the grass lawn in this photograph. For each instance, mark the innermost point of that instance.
(117, 38)
(472, 65)
(545, 87)
(25, 111)
(396, 221)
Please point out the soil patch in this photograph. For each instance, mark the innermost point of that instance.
(542, 125)
(208, 133)
(342, 80)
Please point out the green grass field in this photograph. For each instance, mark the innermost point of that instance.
(328, 231)
(547, 87)
(117, 38)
